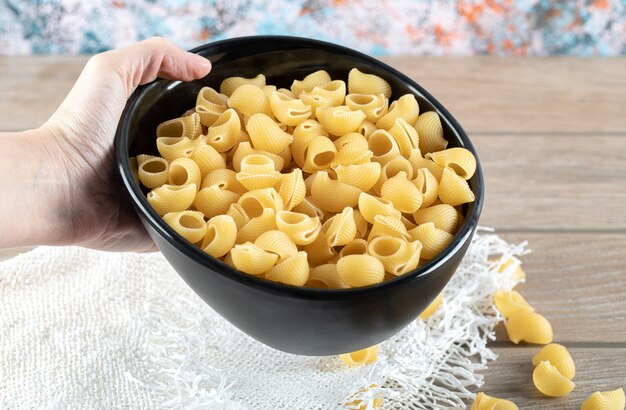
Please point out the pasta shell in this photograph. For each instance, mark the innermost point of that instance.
(251, 259)
(290, 111)
(362, 83)
(385, 225)
(366, 128)
(433, 307)
(292, 189)
(325, 277)
(303, 134)
(361, 224)
(230, 84)
(152, 171)
(341, 228)
(332, 195)
(334, 92)
(352, 153)
(351, 137)
(245, 148)
(292, 271)
(134, 168)
(360, 357)
(339, 120)
(429, 188)
(360, 270)
(310, 208)
(249, 99)
(187, 126)
(301, 228)
(354, 247)
(256, 226)
(362, 176)
(373, 106)
(371, 206)
(277, 242)
(257, 164)
(559, 357)
(550, 382)
(509, 302)
(529, 327)
(397, 255)
(258, 181)
(318, 251)
(269, 89)
(309, 82)
(171, 198)
(208, 159)
(402, 193)
(220, 237)
(383, 146)
(286, 91)
(444, 217)
(225, 179)
(171, 148)
(428, 126)
(315, 101)
(253, 203)
(607, 400)
(484, 402)
(209, 98)
(418, 162)
(208, 116)
(405, 135)
(266, 135)
(391, 169)
(213, 200)
(405, 107)
(184, 171)
(238, 214)
(454, 190)
(225, 131)
(188, 224)
(320, 153)
(434, 240)
(460, 160)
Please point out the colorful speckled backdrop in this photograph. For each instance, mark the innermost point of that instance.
(378, 27)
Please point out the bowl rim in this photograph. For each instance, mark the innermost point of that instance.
(218, 267)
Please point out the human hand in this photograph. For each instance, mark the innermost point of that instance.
(75, 150)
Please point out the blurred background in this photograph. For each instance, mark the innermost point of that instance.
(377, 27)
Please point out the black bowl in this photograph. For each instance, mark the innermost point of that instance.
(296, 320)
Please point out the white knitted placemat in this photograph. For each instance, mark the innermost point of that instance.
(86, 329)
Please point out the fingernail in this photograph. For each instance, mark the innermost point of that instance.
(203, 62)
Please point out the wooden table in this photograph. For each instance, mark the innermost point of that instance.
(551, 135)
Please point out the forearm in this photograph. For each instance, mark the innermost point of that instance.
(32, 210)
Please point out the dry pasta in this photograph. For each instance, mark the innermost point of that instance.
(213, 200)
(208, 159)
(433, 307)
(363, 83)
(171, 198)
(453, 189)
(186, 126)
(249, 99)
(220, 236)
(433, 239)
(266, 135)
(484, 402)
(428, 126)
(373, 106)
(559, 357)
(230, 84)
(397, 255)
(402, 193)
(509, 302)
(294, 270)
(360, 270)
(188, 224)
(529, 327)
(257, 225)
(339, 120)
(605, 400)
(301, 228)
(257, 172)
(289, 110)
(444, 216)
(405, 107)
(325, 277)
(550, 382)
(152, 171)
(224, 133)
(460, 160)
(309, 82)
(184, 171)
(251, 259)
(341, 228)
(277, 242)
(363, 356)
(362, 176)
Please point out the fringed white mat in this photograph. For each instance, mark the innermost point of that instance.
(87, 329)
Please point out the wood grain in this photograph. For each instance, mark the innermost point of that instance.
(510, 376)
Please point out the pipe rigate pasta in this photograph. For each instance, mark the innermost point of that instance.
(257, 225)
(373, 106)
(460, 160)
(428, 186)
(251, 259)
(325, 277)
(213, 200)
(529, 327)
(360, 357)
(354, 247)
(208, 159)
(366, 128)
(605, 400)
(333, 92)
(253, 203)
(294, 270)
(171, 198)
(240, 217)
(245, 148)
(391, 169)
(362, 176)
(434, 240)
(385, 225)
(559, 357)
(220, 236)
(277, 242)
(341, 228)
(363, 83)
(184, 171)
(432, 308)
(320, 153)
(301, 228)
(352, 153)
(383, 146)
(257, 172)
(249, 99)
(484, 402)
(208, 116)
(550, 382)
(310, 208)
(360, 270)
(211, 99)
(339, 120)
(509, 301)
(397, 255)
(362, 226)
(332, 195)
(188, 126)
(444, 217)
(453, 189)
(418, 162)
(188, 224)
(309, 82)
(405, 135)
(152, 171)
(405, 107)
(428, 126)
(351, 137)
(225, 179)
(318, 251)
(288, 110)
(266, 135)
(225, 131)
(171, 148)
(371, 206)
(292, 189)
(230, 84)
(315, 101)
(402, 193)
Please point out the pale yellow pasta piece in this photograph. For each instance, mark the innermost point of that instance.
(418, 162)
(240, 217)
(225, 179)
(225, 131)
(208, 159)
(310, 208)
(402, 193)
(460, 160)
(341, 228)
(213, 200)
(529, 327)
(230, 84)
(221, 233)
(245, 148)
(397, 255)
(434, 240)
(509, 301)
(371, 206)
(171, 198)
(428, 185)
(243, 137)
(559, 357)
(292, 189)
(515, 264)
(253, 203)
(428, 126)
(339, 120)
(257, 172)
(408, 224)
(320, 154)
(184, 171)
(318, 251)
(453, 189)
(269, 89)
(362, 83)
(354, 247)
(188, 224)
(366, 128)
(208, 116)
(432, 308)
(358, 404)
(210, 105)
(309, 82)
(251, 259)
(325, 277)
(444, 217)
(266, 135)
(362, 176)
(550, 382)
(303, 134)
(391, 169)
(290, 111)
(361, 224)
(171, 148)
(286, 92)
(315, 101)
(257, 225)
(383, 146)
(333, 92)
(249, 99)
(385, 225)
(484, 402)
(294, 270)
(373, 106)
(360, 270)
(332, 195)
(405, 135)
(134, 168)
(606, 400)
(152, 171)
(405, 107)
(364, 356)
(352, 153)
(351, 137)
(301, 228)
(277, 242)
(188, 126)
